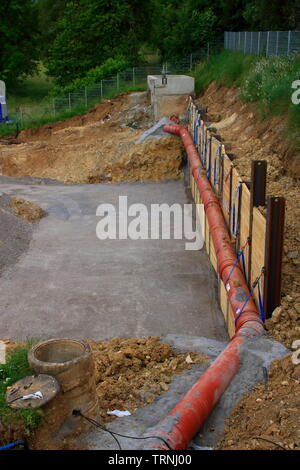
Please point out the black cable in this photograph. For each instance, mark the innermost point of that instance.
(271, 442)
(114, 434)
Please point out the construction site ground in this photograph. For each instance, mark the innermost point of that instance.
(59, 280)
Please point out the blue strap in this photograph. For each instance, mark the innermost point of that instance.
(233, 268)
(245, 303)
(195, 132)
(208, 171)
(233, 219)
(215, 172)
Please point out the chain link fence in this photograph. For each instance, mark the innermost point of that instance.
(81, 100)
(268, 43)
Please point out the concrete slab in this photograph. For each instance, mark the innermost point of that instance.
(71, 284)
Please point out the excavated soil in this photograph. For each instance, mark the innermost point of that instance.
(27, 210)
(268, 417)
(130, 372)
(96, 147)
(247, 138)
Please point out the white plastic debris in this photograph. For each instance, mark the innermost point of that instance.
(37, 395)
(118, 413)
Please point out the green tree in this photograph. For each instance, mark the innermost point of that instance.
(49, 14)
(18, 39)
(92, 31)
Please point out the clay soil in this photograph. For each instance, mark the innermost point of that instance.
(96, 147)
(271, 411)
(268, 417)
(247, 138)
(26, 210)
(130, 373)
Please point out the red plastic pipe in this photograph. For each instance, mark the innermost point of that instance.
(183, 422)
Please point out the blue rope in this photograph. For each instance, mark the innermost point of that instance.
(245, 303)
(12, 445)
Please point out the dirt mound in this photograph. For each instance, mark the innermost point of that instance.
(269, 413)
(131, 372)
(27, 210)
(248, 138)
(96, 147)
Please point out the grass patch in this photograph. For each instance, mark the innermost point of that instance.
(265, 81)
(227, 69)
(16, 367)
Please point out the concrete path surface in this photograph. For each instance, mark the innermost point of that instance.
(71, 284)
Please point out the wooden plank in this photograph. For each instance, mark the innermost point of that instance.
(225, 202)
(212, 256)
(207, 236)
(215, 164)
(244, 224)
(236, 180)
(258, 249)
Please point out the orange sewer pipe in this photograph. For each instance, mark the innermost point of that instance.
(182, 423)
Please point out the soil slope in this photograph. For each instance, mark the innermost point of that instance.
(247, 138)
(96, 147)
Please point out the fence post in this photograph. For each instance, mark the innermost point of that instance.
(133, 76)
(273, 254)
(251, 40)
(118, 82)
(239, 40)
(245, 42)
(268, 40)
(101, 89)
(258, 43)
(277, 42)
(85, 97)
(70, 105)
(53, 104)
(289, 43)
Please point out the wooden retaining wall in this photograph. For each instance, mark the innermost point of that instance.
(258, 240)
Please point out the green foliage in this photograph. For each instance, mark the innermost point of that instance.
(92, 31)
(265, 15)
(18, 39)
(180, 28)
(95, 75)
(15, 368)
(269, 83)
(50, 13)
(227, 69)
